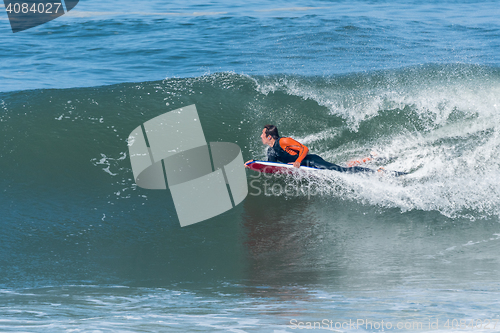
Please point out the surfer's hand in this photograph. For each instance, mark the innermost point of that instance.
(295, 164)
(246, 163)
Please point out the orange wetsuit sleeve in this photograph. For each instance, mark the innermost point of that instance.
(294, 148)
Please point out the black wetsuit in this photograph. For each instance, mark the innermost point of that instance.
(277, 153)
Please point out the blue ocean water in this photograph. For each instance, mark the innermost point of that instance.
(82, 248)
(105, 43)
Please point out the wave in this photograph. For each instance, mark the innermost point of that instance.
(440, 123)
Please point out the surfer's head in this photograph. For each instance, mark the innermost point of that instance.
(269, 135)
(271, 131)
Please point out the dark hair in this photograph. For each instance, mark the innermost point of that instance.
(272, 131)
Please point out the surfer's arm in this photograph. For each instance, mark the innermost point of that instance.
(289, 144)
(302, 154)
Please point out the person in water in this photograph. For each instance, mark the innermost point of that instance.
(288, 150)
